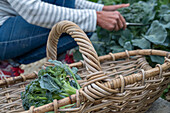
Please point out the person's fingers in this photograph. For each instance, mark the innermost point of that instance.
(123, 22)
(111, 24)
(114, 23)
(120, 6)
(116, 27)
(120, 23)
(116, 16)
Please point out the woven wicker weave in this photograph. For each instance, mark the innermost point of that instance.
(121, 82)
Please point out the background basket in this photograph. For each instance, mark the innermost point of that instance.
(121, 82)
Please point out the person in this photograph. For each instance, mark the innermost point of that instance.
(25, 25)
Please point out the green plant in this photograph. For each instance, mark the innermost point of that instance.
(155, 35)
(165, 92)
(54, 82)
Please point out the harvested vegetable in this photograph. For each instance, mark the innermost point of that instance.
(54, 82)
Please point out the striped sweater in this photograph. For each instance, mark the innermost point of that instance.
(46, 15)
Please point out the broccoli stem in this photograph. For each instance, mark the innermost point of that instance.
(78, 86)
(70, 90)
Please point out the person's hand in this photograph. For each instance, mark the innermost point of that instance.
(114, 7)
(110, 20)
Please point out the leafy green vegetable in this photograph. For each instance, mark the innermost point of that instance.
(141, 43)
(139, 12)
(47, 82)
(155, 35)
(54, 82)
(158, 59)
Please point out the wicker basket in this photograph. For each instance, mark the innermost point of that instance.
(121, 82)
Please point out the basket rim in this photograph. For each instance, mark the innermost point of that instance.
(120, 55)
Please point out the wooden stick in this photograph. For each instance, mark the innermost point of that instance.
(138, 77)
(50, 106)
(124, 55)
(13, 80)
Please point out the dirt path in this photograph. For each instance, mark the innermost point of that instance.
(36, 66)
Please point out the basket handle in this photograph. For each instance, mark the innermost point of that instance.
(85, 46)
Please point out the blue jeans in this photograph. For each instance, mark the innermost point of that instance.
(26, 42)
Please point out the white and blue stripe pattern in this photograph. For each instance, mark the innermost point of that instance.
(46, 15)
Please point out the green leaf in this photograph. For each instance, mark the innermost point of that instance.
(99, 47)
(116, 49)
(122, 41)
(141, 43)
(41, 72)
(47, 82)
(167, 42)
(166, 17)
(167, 25)
(74, 70)
(128, 46)
(164, 9)
(157, 59)
(157, 33)
(166, 90)
(94, 37)
(77, 55)
(126, 34)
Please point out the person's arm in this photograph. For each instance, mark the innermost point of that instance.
(83, 4)
(107, 16)
(46, 15)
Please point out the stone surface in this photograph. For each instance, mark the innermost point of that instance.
(160, 106)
